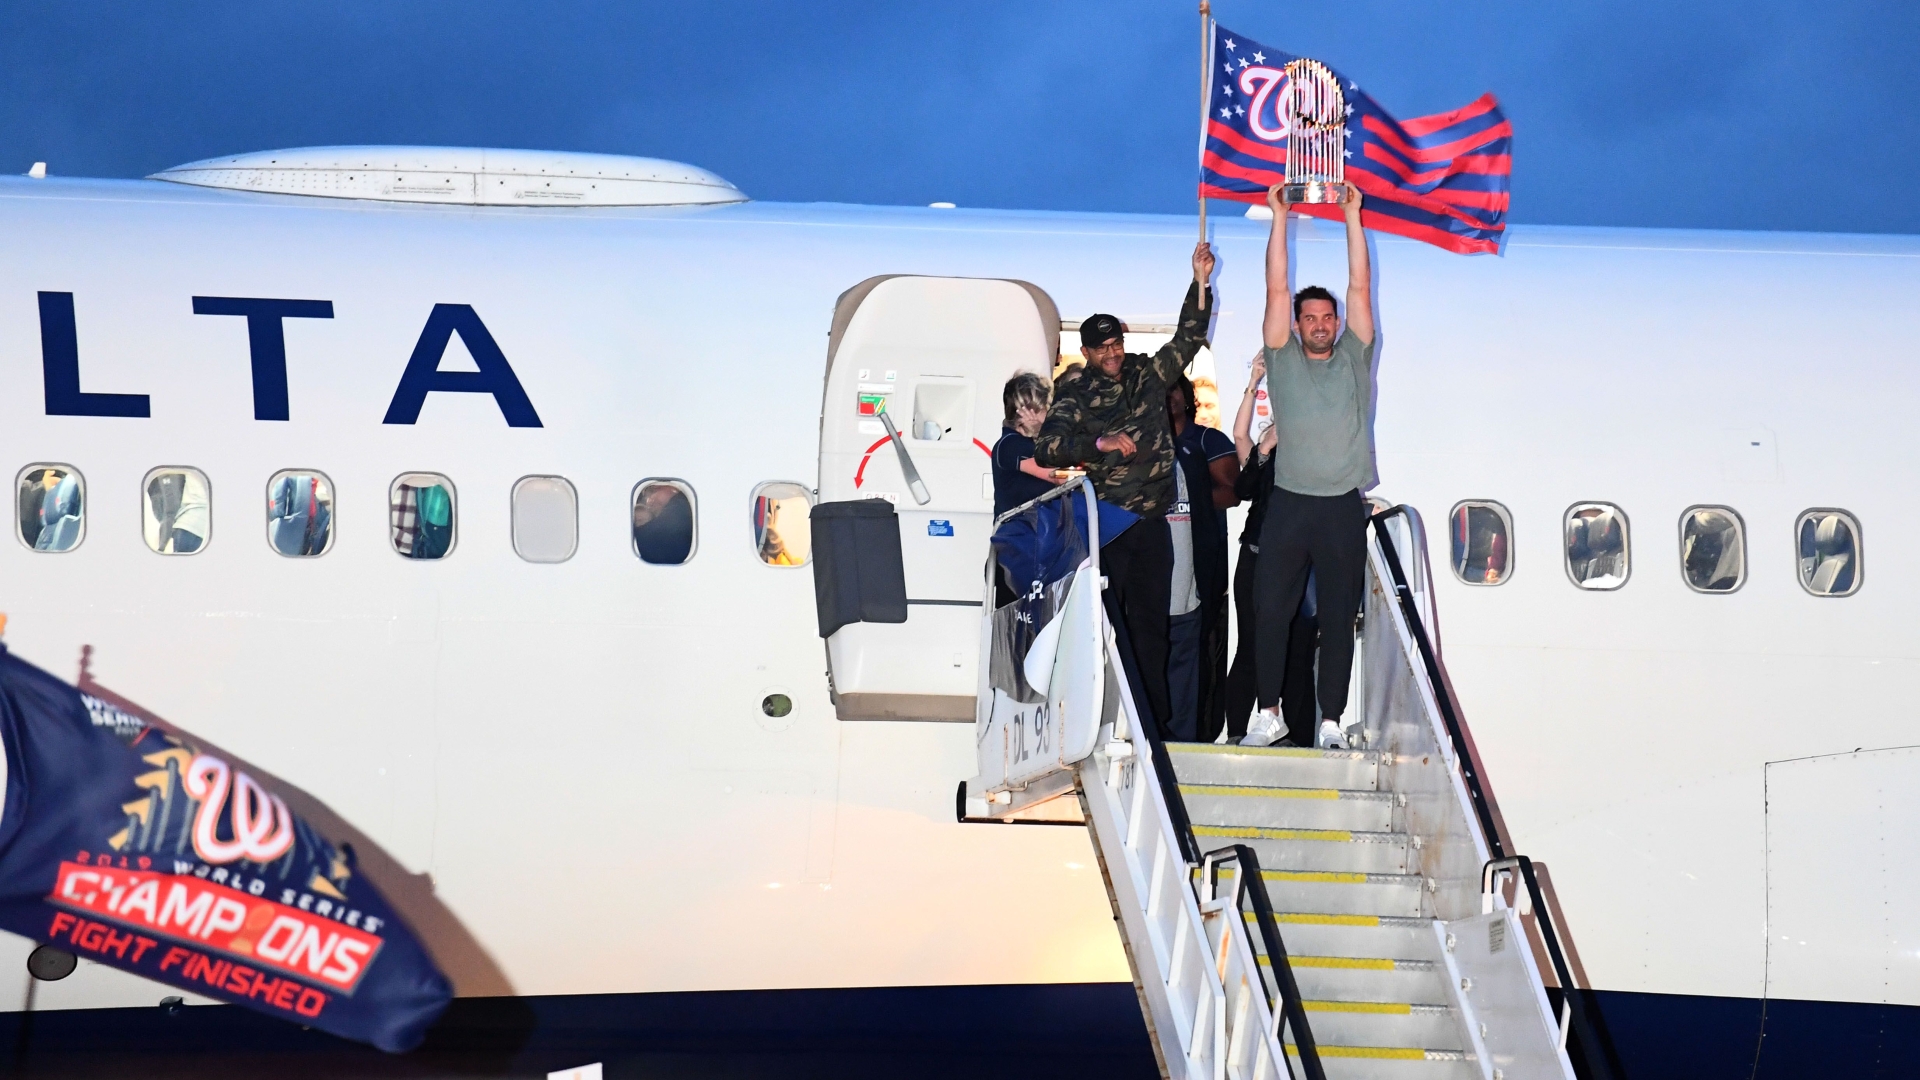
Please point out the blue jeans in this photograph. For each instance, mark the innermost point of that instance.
(1183, 676)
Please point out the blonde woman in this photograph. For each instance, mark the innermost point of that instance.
(1254, 487)
(1017, 478)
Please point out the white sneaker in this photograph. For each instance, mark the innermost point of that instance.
(1264, 728)
(1331, 737)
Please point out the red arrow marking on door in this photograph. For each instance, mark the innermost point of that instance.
(859, 474)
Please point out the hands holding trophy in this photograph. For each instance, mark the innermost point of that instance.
(1348, 196)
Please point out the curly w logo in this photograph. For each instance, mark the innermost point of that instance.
(258, 825)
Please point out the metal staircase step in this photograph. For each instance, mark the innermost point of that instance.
(1369, 936)
(1289, 807)
(1340, 892)
(1209, 763)
(1343, 893)
(1383, 1023)
(1359, 978)
(1315, 849)
(1374, 1062)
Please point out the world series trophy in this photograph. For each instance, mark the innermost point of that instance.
(1316, 116)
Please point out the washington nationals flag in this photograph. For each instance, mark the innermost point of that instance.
(1441, 178)
(136, 847)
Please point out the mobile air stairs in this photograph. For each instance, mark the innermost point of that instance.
(1286, 912)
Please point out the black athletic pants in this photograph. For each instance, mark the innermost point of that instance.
(1326, 535)
(1296, 689)
(1138, 565)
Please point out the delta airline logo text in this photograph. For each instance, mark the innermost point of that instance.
(267, 351)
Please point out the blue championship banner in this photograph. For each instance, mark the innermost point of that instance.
(132, 846)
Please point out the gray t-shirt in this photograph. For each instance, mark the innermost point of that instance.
(1321, 410)
(1185, 594)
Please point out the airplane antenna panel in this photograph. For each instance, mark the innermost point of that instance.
(461, 176)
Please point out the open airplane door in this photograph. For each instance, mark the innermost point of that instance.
(930, 355)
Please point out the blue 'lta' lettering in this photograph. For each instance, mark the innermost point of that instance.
(423, 375)
(60, 367)
(266, 341)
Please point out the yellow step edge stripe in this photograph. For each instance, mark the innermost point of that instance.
(1386, 1053)
(1259, 792)
(1254, 832)
(1337, 877)
(1357, 963)
(1325, 877)
(1388, 1008)
(1325, 920)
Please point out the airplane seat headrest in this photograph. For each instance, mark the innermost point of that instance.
(1603, 533)
(66, 497)
(436, 506)
(1829, 535)
(282, 497)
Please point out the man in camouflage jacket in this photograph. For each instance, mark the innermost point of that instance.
(1110, 418)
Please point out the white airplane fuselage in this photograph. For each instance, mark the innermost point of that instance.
(577, 753)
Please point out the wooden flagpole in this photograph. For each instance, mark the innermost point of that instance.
(1206, 13)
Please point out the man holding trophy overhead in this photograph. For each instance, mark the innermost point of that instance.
(1306, 137)
(1320, 384)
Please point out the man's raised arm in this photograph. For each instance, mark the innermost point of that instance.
(1359, 271)
(1279, 321)
(1195, 319)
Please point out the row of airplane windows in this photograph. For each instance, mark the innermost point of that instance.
(177, 519)
(176, 515)
(1713, 547)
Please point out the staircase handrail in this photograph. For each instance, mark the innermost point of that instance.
(1573, 1003)
(1156, 747)
(1065, 488)
(1442, 696)
(1482, 808)
(1248, 882)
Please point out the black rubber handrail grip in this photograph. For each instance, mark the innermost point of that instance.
(1589, 1040)
(1249, 881)
(1441, 697)
(1170, 791)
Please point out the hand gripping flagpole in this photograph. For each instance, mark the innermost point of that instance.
(1206, 97)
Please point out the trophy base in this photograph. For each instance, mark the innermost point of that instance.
(1314, 191)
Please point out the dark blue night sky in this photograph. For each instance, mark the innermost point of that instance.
(1758, 115)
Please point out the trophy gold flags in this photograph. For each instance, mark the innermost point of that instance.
(1316, 117)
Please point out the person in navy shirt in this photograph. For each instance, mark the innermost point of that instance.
(1207, 470)
(1017, 478)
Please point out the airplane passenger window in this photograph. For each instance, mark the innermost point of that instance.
(663, 521)
(1829, 549)
(1482, 533)
(300, 513)
(1713, 549)
(52, 507)
(546, 519)
(176, 508)
(782, 523)
(420, 515)
(1597, 546)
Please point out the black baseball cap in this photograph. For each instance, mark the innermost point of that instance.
(1100, 329)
